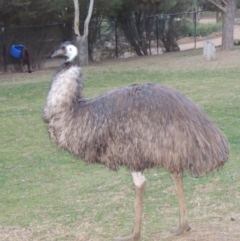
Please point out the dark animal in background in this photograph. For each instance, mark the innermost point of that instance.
(139, 126)
(26, 60)
(19, 58)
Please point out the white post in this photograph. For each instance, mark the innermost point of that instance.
(209, 51)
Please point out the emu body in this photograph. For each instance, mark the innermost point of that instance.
(139, 126)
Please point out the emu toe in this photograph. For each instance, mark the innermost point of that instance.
(180, 230)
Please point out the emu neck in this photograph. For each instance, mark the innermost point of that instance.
(71, 60)
(65, 89)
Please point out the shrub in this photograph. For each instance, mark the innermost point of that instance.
(204, 29)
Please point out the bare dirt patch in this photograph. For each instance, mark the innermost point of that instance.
(220, 229)
(10, 233)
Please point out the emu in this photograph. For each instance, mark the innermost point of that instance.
(140, 126)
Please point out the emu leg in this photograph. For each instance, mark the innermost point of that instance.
(140, 184)
(183, 222)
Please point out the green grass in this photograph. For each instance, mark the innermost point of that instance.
(59, 197)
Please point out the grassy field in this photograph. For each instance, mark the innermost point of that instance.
(47, 194)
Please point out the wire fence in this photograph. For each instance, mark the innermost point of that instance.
(108, 38)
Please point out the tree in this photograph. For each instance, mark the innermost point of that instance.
(135, 18)
(228, 8)
(82, 41)
(59, 12)
(31, 12)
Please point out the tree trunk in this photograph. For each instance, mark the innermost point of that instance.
(83, 50)
(133, 32)
(82, 41)
(228, 8)
(82, 46)
(228, 26)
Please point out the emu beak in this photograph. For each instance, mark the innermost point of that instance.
(59, 52)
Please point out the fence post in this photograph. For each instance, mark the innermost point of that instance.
(195, 29)
(116, 38)
(4, 50)
(64, 32)
(156, 18)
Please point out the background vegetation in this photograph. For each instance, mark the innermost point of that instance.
(134, 20)
(204, 30)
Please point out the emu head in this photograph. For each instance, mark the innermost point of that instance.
(67, 50)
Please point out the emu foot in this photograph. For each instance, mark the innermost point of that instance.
(182, 229)
(127, 238)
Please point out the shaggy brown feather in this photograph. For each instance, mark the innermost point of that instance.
(140, 126)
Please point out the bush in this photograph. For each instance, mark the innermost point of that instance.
(204, 29)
